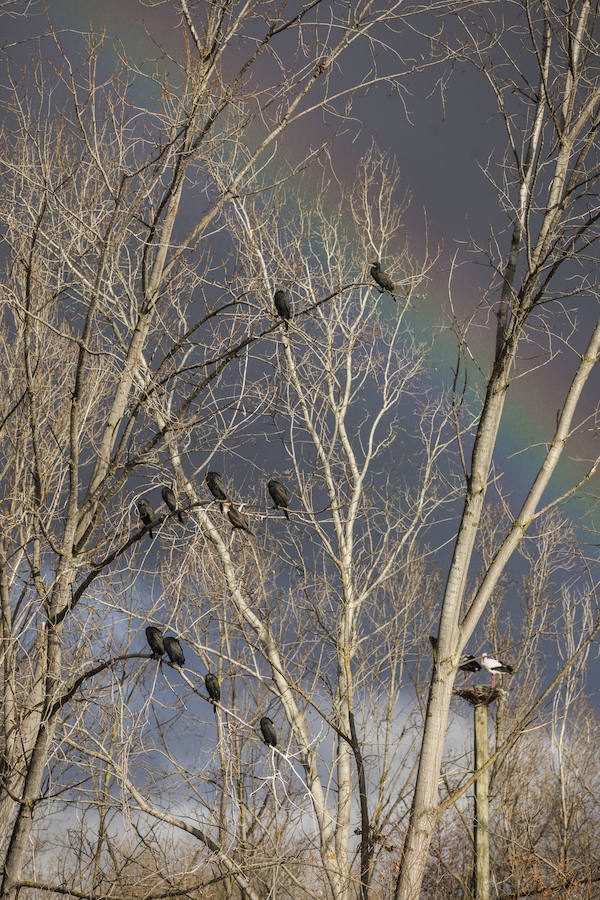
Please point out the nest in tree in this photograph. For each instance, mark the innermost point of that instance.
(478, 696)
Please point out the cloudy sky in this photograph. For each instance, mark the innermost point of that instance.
(441, 148)
(441, 144)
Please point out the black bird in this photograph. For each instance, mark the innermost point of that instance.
(146, 513)
(469, 666)
(174, 651)
(382, 278)
(216, 487)
(279, 495)
(281, 300)
(212, 687)
(268, 731)
(155, 639)
(238, 519)
(169, 498)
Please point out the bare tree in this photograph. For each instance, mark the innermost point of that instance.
(546, 184)
(524, 806)
(348, 552)
(144, 247)
(129, 347)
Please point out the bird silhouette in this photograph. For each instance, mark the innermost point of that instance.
(154, 637)
(238, 519)
(281, 299)
(146, 514)
(268, 731)
(279, 495)
(213, 688)
(468, 666)
(382, 278)
(170, 500)
(174, 651)
(216, 487)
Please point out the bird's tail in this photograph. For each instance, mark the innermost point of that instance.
(150, 533)
(180, 517)
(285, 512)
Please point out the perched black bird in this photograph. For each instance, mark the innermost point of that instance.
(174, 651)
(279, 495)
(169, 498)
(146, 513)
(469, 666)
(238, 519)
(281, 300)
(268, 731)
(382, 278)
(155, 639)
(212, 687)
(216, 487)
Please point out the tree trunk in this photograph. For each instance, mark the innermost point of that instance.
(425, 800)
(15, 854)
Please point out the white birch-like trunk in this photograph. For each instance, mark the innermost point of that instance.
(453, 634)
(425, 800)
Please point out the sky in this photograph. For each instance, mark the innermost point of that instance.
(441, 149)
